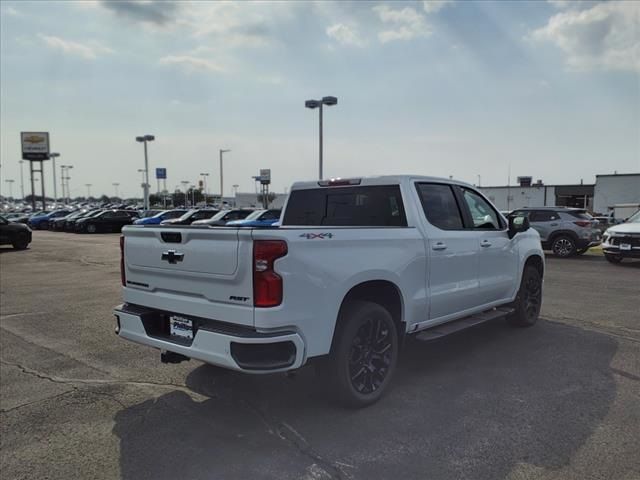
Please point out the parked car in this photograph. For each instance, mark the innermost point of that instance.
(106, 221)
(160, 216)
(623, 240)
(259, 218)
(57, 224)
(70, 223)
(16, 234)
(149, 213)
(191, 216)
(224, 216)
(18, 217)
(357, 265)
(564, 231)
(41, 222)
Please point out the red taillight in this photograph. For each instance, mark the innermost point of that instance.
(267, 284)
(583, 223)
(123, 277)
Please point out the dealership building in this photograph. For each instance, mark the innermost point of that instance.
(600, 197)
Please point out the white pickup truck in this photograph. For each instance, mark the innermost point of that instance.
(354, 267)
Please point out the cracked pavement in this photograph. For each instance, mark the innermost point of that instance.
(558, 401)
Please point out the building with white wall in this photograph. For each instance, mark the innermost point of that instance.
(616, 189)
(601, 197)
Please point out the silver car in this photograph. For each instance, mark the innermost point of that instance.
(564, 231)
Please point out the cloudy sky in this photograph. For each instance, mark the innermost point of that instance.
(440, 88)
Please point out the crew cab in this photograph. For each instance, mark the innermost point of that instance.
(354, 267)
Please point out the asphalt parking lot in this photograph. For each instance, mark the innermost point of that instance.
(558, 401)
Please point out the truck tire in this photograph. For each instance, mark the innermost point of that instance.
(563, 246)
(363, 356)
(21, 242)
(613, 258)
(528, 300)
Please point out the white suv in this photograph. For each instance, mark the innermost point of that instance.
(623, 241)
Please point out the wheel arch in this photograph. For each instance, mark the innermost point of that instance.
(382, 292)
(557, 233)
(537, 262)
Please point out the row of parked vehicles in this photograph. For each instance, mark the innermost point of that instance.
(110, 220)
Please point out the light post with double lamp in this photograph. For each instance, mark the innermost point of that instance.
(235, 193)
(21, 162)
(64, 172)
(88, 185)
(186, 197)
(204, 184)
(328, 101)
(222, 178)
(144, 139)
(10, 182)
(53, 156)
(116, 185)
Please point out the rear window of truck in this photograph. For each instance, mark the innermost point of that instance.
(375, 206)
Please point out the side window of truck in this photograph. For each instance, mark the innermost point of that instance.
(484, 217)
(440, 206)
(374, 206)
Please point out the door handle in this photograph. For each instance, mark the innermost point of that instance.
(554, 224)
(485, 243)
(439, 246)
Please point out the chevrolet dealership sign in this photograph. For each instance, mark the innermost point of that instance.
(35, 145)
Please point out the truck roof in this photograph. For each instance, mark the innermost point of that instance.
(374, 180)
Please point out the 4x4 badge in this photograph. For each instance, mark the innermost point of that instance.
(311, 236)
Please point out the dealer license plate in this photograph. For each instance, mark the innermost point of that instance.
(625, 246)
(181, 327)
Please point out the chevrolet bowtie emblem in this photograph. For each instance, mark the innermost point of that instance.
(172, 256)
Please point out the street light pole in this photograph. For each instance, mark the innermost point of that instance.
(116, 185)
(329, 101)
(10, 182)
(88, 185)
(222, 178)
(204, 178)
(53, 156)
(21, 162)
(186, 198)
(235, 193)
(144, 139)
(65, 182)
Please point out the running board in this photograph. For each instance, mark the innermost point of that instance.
(448, 328)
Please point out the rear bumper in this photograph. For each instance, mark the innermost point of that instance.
(244, 350)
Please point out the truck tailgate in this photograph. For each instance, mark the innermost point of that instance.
(203, 272)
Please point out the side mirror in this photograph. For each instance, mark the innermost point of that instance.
(518, 224)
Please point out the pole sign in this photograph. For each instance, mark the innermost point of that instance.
(35, 146)
(265, 176)
(161, 173)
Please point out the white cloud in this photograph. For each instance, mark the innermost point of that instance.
(191, 64)
(345, 35)
(88, 51)
(12, 12)
(407, 23)
(605, 36)
(433, 6)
